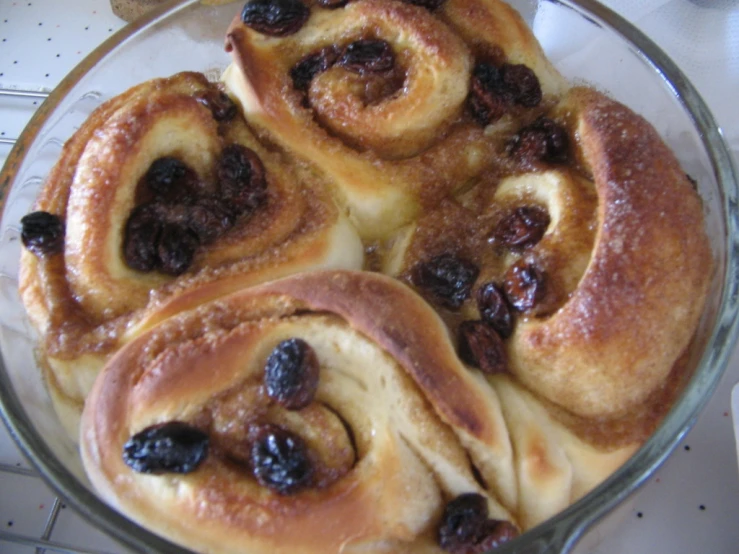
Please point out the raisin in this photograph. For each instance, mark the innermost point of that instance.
(481, 346)
(494, 90)
(525, 285)
(543, 140)
(495, 534)
(311, 65)
(494, 309)
(291, 374)
(171, 180)
(242, 178)
(529, 145)
(209, 218)
(466, 529)
(462, 518)
(176, 249)
(280, 460)
(219, 103)
(172, 447)
(462, 522)
(42, 233)
(428, 4)
(275, 17)
(332, 4)
(488, 99)
(165, 236)
(141, 237)
(447, 278)
(367, 56)
(522, 84)
(522, 228)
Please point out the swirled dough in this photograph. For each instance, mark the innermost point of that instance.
(500, 275)
(385, 158)
(82, 299)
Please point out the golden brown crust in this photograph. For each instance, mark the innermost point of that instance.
(590, 368)
(378, 367)
(636, 308)
(191, 363)
(82, 299)
(390, 158)
(627, 265)
(494, 28)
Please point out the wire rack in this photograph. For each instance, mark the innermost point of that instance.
(44, 543)
(34, 543)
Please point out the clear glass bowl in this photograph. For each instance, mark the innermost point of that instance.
(586, 41)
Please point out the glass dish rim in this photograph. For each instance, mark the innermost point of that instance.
(566, 528)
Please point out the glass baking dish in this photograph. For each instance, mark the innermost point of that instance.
(598, 47)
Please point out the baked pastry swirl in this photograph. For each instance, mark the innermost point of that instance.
(382, 404)
(161, 189)
(600, 264)
(375, 95)
(370, 434)
(452, 278)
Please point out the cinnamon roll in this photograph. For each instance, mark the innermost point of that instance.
(163, 188)
(586, 269)
(436, 297)
(291, 417)
(391, 101)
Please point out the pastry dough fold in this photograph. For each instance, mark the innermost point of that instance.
(388, 153)
(82, 299)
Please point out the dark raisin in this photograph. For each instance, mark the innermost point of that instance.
(141, 237)
(543, 140)
(311, 65)
(42, 233)
(481, 346)
(489, 98)
(524, 285)
(332, 4)
(428, 4)
(291, 374)
(463, 519)
(172, 447)
(171, 180)
(242, 179)
(495, 533)
(522, 228)
(280, 460)
(176, 249)
(529, 145)
(494, 309)
(219, 103)
(494, 90)
(367, 56)
(275, 17)
(558, 141)
(209, 218)
(447, 278)
(466, 529)
(522, 83)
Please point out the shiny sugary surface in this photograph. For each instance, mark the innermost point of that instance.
(161, 190)
(703, 510)
(550, 422)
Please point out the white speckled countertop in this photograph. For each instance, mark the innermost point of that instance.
(688, 506)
